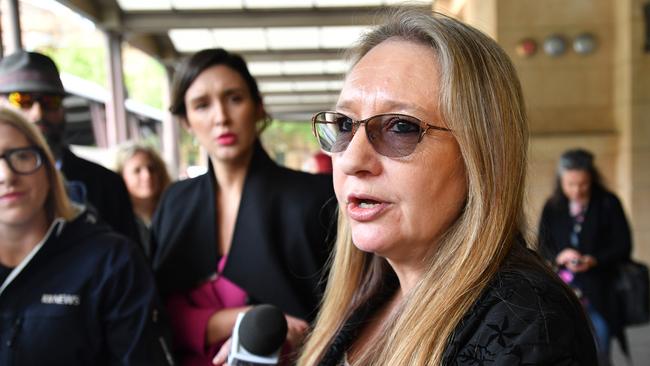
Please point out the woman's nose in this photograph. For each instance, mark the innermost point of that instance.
(359, 157)
(6, 174)
(219, 114)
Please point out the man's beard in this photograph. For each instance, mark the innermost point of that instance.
(53, 133)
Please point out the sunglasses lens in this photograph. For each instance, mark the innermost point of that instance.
(27, 100)
(334, 131)
(391, 135)
(394, 135)
(51, 101)
(21, 100)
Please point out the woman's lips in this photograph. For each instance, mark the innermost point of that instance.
(11, 197)
(363, 209)
(227, 139)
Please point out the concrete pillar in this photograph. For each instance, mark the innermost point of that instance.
(632, 115)
(14, 34)
(170, 131)
(116, 130)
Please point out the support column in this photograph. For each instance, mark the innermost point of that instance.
(116, 130)
(12, 19)
(631, 111)
(170, 131)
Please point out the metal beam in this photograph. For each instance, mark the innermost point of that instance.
(293, 55)
(291, 78)
(162, 21)
(85, 8)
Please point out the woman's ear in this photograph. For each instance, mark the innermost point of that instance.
(185, 124)
(261, 111)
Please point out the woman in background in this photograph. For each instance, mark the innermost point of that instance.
(146, 178)
(428, 141)
(584, 233)
(72, 291)
(246, 232)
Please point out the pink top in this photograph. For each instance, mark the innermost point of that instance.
(190, 311)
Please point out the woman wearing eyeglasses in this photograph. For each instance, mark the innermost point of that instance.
(248, 231)
(429, 141)
(72, 292)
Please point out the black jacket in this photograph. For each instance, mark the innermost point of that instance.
(87, 297)
(279, 244)
(605, 235)
(525, 316)
(106, 192)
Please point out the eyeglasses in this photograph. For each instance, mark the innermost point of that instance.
(23, 160)
(48, 102)
(392, 135)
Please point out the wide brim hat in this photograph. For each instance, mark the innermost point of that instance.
(29, 72)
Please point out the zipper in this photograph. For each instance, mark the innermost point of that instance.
(15, 330)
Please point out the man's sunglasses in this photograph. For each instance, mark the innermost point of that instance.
(392, 135)
(48, 102)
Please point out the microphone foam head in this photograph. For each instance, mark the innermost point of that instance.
(263, 330)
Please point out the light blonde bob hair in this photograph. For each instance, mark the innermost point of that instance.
(162, 175)
(481, 101)
(57, 203)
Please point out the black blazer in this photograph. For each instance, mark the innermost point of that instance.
(106, 192)
(279, 245)
(605, 235)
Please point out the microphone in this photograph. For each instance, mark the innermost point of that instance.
(258, 337)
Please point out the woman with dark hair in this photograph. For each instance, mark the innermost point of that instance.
(583, 232)
(248, 231)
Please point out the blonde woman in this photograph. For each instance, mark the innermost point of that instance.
(72, 291)
(429, 141)
(146, 178)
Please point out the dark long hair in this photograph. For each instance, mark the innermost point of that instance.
(190, 69)
(576, 159)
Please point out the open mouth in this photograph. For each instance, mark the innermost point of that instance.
(364, 202)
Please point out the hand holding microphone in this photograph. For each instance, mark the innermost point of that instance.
(257, 338)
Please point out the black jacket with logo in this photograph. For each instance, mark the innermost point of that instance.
(86, 297)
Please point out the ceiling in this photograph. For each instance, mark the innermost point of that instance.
(294, 48)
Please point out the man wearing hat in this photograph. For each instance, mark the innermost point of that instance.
(30, 81)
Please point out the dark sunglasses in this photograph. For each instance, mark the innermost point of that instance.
(26, 100)
(391, 134)
(23, 160)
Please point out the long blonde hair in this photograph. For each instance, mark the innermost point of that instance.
(481, 101)
(57, 203)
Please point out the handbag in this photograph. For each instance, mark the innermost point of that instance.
(632, 285)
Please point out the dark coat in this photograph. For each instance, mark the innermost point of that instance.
(280, 241)
(87, 297)
(525, 316)
(605, 235)
(105, 191)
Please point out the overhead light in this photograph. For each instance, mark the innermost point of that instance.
(135, 5)
(203, 4)
(335, 3)
(340, 37)
(241, 39)
(191, 40)
(266, 4)
(292, 37)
